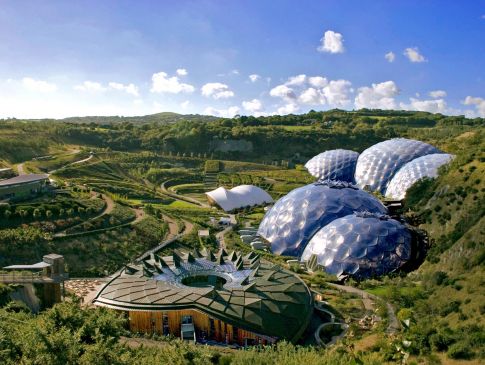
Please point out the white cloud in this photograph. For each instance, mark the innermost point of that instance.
(161, 83)
(390, 56)
(314, 90)
(331, 42)
(254, 77)
(283, 91)
(337, 93)
(431, 106)
(129, 89)
(216, 90)
(312, 96)
(253, 106)
(318, 81)
(225, 113)
(290, 108)
(296, 80)
(378, 96)
(96, 87)
(479, 104)
(182, 72)
(38, 85)
(90, 86)
(185, 104)
(436, 94)
(413, 55)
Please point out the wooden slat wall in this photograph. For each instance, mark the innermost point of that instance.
(150, 322)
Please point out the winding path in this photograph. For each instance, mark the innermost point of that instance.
(20, 168)
(110, 204)
(181, 197)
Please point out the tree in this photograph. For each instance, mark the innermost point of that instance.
(36, 214)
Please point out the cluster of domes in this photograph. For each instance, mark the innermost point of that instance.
(347, 229)
(294, 219)
(377, 167)
(378, 164)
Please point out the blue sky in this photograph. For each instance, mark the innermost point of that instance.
(64, 58)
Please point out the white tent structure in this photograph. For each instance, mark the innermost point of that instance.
(238, 197)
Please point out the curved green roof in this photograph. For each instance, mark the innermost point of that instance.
(256, 295)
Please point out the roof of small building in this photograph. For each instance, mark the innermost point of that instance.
(23, 179)
(256, 295)
(239, 197)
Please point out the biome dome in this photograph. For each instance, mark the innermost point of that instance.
(333, 165)
(361, 245)
(294, 219)
(377, 165)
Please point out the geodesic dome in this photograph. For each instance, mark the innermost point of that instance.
(361, 245)
(377, 165)
(333, 165)
(410, 173)
(295, 218)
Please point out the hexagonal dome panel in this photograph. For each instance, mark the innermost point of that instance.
(377, 165)
(410, 173)
(294, 219)
(361, 245)
(333, 165)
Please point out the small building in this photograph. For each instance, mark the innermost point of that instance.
(223, 298)
(49, 272)
(23, 186)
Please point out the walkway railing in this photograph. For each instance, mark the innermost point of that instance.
(19, 277)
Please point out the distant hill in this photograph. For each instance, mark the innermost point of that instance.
(164, 118)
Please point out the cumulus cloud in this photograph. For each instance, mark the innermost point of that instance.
(313, 90)
(432, 106)
(390, 56)
(95, 87)
(283, 91)
(413, 55)
(436, 94)
(296, 80)
(318, 81)
(337, 93)
(129, 89)
(90, 86)
(289, 108)
(254, 77)
(311, 96)
(38, 85)
(216, 90)
(253, 106)
(331, 42)
(185, 104)
(377, 96)
(479, 104)
(225, 113)
(182, 72)
(161, 83)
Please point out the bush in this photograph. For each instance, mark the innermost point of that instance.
(460, 350)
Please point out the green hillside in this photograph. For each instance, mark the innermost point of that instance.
(441, 303)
